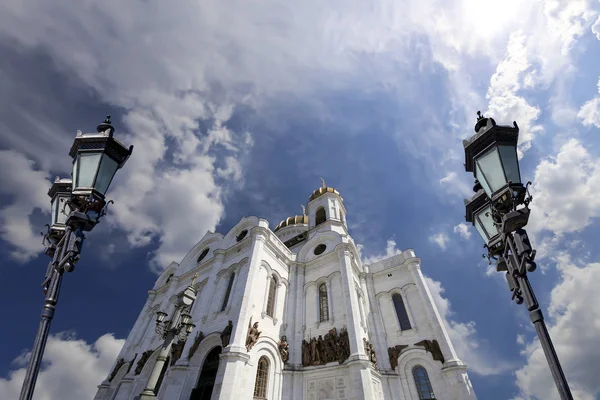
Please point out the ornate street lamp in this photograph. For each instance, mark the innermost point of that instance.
(76, 206)
(499, 211)
(180, 326)
(60, 193)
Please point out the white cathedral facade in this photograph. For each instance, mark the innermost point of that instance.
(291, 314)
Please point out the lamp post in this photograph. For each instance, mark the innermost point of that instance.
(499, 211)
(179, 326)
(76, 205)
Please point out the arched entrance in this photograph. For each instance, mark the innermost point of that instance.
(205, 384)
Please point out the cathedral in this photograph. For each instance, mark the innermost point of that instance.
(289, 313)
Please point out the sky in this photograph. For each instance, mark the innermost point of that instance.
(236, 108)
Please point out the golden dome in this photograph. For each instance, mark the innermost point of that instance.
(297, 219)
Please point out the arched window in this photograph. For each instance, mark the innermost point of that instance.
(262, 375)
(320, 216)
(169, 278)
(271, 297)
(228, 292)
(401, 312)
(323, 305)
(424, 388)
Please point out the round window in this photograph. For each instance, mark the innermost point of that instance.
(242, 235)
(202, 255)
(320, 249)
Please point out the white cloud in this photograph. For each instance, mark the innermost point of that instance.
(573, 326)
(596, 28)
(478, 356)
(72, 368)
(589, 112)
(564, 194)
(441, 239)
(27, 189)
(454, 184)
(390, 250)
(462, 230)
(520, 340)
(505, 105)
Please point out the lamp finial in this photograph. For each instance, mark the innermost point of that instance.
(479, 116)
(303, 209)
(323, 185)
(194, 277)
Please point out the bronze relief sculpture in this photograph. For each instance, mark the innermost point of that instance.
(226, 334)
(433, 347)
(197, 340)
(394, 353)
(253, 334)
(176, 351)
(140, 365)
(370, 351)
(322, 350)
(284, 349)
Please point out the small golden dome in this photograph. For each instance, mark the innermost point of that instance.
(297, 219)
(322, 190)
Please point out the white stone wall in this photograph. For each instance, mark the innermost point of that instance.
(359, 299)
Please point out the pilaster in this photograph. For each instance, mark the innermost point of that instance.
(451, 359)
(235, 355)
(352, 307)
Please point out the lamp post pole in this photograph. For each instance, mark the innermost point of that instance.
(77, 206)
(500, 210)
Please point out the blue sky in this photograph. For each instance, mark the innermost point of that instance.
(237, 108)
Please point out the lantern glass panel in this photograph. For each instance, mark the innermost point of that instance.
(489, 171)
(61, 217)
(107, 170)
(74, 174)
(510, 161)
(88, 165)
(54, 209)
(485, 224)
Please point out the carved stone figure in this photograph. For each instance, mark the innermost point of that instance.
(253, 334)
(284, 349)
(433, 347)
(226, 334)
(118, 365)
(394, 353)
(176, 351)
(370, 351)
(197, 340)
(140, 365)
